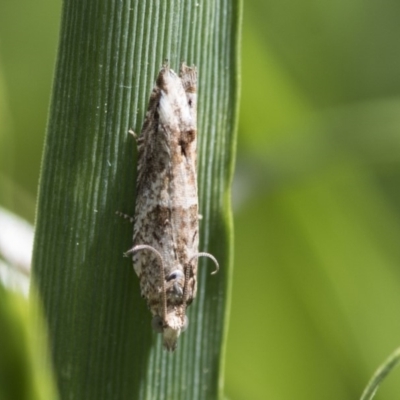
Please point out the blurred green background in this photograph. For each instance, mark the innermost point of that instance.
(316, 290)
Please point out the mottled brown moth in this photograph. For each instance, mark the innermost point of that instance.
(166, 223)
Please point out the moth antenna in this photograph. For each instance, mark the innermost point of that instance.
(158, 254)
(185, 288)
(188, 268)
(208, 255)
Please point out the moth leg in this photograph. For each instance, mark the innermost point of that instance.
(133, 133)
(126, 216)
(176, 289)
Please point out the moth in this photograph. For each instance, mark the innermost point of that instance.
(166, 222)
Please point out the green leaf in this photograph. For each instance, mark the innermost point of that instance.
(109, 55)
(380, 375)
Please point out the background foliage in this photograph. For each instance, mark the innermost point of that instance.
(317, 282)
